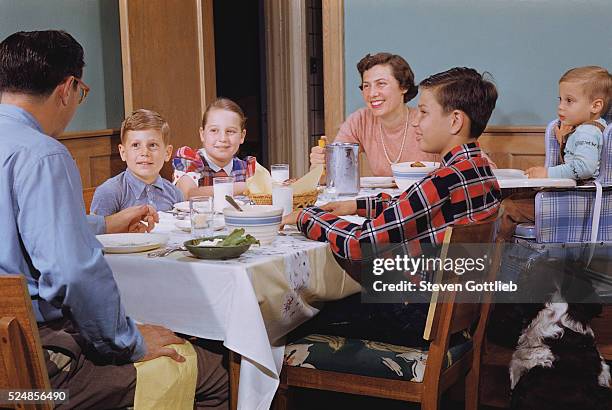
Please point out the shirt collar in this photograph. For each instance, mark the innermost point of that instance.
(21, 115)
(228, 168)
(138, 186)
(462, 152)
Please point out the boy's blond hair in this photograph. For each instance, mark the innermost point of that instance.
(597, 83)
(142, 119)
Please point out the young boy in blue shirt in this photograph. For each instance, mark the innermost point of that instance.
(144, 147)
(584, 97)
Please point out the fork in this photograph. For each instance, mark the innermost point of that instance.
(166, 251)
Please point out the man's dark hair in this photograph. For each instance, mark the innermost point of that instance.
(35, 62)
(399, 67)
(464, 89)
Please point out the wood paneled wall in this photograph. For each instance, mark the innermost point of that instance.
(95, 153)
(509, 147)
(514, 147)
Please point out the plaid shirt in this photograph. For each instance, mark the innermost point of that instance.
(461, 191)
(193, 163)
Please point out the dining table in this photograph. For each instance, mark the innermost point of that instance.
(252, 302)
(249, 303)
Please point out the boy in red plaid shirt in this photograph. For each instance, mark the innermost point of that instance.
(453, 110)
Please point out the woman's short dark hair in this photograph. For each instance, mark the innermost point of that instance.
(36, 62)
(464, 89)
(399, 67)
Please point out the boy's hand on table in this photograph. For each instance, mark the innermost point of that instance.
(537, 172)
(290, 219)
(156, 339)
(131, 220)
(341, 207)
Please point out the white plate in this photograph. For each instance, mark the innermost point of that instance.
(377, 182)
(132, 242)
(184, 206)
(509, 173)
(185, 225)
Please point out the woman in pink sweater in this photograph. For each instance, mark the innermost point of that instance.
(382, 128)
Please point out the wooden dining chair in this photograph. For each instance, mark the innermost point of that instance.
(88, 194)
(442, 370)
(22, 364)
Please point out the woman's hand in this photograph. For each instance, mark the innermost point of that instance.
(537, 172)
(317, 155)
(341, 207)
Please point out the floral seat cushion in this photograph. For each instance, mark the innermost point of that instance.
(368, 358)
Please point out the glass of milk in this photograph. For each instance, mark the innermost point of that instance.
(279, 172)
(222, 186)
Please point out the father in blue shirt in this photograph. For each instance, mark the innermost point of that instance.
(89, 342)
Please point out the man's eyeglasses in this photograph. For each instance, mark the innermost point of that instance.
(84, 89)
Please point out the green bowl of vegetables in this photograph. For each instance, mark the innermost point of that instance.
(221, 246)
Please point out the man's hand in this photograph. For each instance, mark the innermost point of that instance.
(537, 172)
(131, 220)
(156, 339)
(341, 207)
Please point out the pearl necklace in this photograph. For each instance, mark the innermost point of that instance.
(382, 140)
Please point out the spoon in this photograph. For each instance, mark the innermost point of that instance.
(233, 203)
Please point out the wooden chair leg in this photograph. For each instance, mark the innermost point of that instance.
(472, 388)
(234, 377)
(282, 398)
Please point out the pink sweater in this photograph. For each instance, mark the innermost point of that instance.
(364, 128)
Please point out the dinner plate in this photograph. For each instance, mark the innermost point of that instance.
(184, 206)
(185, 225)
(377, 182)
(132, 242)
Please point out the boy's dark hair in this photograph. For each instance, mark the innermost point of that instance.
(399, 67)
(464, 89)
(36, 62)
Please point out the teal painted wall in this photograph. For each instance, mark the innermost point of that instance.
(526, 44)
(94, 24)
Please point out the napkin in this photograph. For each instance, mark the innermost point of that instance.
(164, 383)
(261, 181)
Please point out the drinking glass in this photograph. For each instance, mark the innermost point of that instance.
(279, 172)
(222, 186)
(201, 215)
(282, 197)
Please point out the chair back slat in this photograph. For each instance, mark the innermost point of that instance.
(605, 166)
(22, 364)
(553, 155)
(462, 314)
(88, 194)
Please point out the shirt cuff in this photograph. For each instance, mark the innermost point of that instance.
(140, 349)
(97, 224)
(366, 206)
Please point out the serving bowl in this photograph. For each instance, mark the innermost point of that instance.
(261, 221)
(406, 175)
(214, 252)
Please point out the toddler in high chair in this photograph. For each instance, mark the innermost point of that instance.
(222, 132)
(584, 97)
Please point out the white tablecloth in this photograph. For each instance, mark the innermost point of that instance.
(249, 303)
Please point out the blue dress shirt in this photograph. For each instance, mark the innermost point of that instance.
(46, 236)
(125, 190)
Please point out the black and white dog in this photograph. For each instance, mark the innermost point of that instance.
(556, 364)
